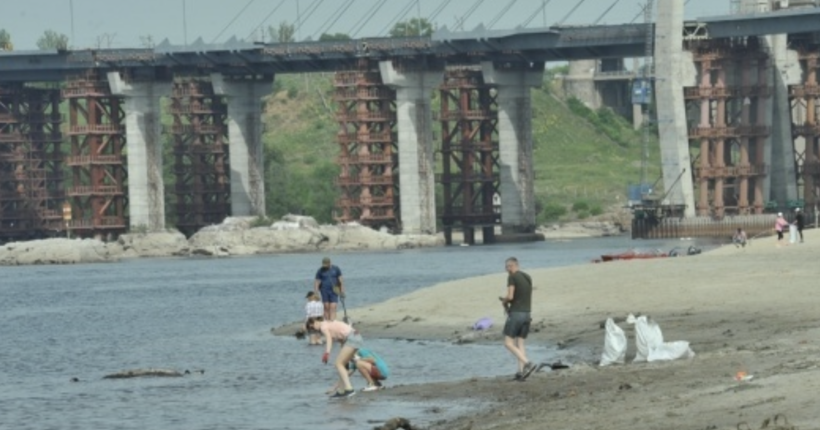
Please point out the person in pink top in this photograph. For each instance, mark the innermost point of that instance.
(779, 224)
(350, 341)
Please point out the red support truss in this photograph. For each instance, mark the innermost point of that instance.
(469, 155)
(97, 190)
(31, 174)
(368, 181)
(201, 165)
(805, 101)
(729, 126)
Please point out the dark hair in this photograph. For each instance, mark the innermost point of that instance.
(310, 294)
(311, 320)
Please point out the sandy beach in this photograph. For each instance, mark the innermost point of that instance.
(752, 309)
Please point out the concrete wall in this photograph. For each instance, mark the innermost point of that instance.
(515, 144)
(146, 188)
(415, 145)
(675, 70)
(245, 142)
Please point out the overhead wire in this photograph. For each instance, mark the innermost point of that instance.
(470, 11)
(398, 17)
(501, 13)
(241, 11)
(438, 10)
(537, 11)
(308, 13)
(366, 17)
(325, 27)
(571, 12)
(605, 12)
(265, 19)
(640, 14)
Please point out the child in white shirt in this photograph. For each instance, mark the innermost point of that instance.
(313, 308)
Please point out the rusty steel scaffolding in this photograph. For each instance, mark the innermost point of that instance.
(805, 101)
(97, 191)
(469, 155)
(201, 163)
(368, 181)
(728, 126)
(31, 174)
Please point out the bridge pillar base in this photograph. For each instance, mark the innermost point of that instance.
(146, 189)
(245, 137)
(515, 143)
(415, 145)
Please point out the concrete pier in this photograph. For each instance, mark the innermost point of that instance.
(515, 143)
(675, 70)
(146, 188)
(245, 141)
(415, 145)
(785, 71)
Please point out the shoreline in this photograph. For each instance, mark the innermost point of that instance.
(748, 309)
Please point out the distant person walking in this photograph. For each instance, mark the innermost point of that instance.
(800, 222)
(779, 225)
(517, 306)
(328, 277)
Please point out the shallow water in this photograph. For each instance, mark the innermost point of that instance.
(85, 321)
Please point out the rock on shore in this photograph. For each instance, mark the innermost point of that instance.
(235, 236)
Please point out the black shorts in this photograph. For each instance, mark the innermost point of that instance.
(517, 325)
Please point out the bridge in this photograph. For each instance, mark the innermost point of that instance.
(382, 96)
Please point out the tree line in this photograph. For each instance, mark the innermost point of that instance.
(284, 33)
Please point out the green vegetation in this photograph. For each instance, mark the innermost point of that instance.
(5, 41)
(52, 40)
(582, 155)
(583, 162)
(411, 28)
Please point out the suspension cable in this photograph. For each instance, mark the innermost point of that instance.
(501, 14)
(233, 20)
(571, 12)
(537, 11)
(265, 19)
(325, 27)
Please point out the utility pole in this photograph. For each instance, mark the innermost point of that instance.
(71, 6)
(647, 78)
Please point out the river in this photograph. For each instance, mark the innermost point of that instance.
(86, 321)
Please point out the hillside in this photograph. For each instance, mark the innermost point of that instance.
(582, 159)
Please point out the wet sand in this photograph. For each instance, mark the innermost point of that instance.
(753, 309)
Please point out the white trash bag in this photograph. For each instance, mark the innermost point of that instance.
(648, 336)
(614, 345)
(671, 351)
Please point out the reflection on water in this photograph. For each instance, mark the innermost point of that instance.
(85, 321)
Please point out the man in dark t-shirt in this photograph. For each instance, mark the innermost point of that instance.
(517, 304)
(328, 282)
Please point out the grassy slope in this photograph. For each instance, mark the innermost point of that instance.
(573, 160)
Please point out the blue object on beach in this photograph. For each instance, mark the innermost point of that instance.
(483, 324)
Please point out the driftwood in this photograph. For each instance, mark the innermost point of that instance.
(147, 373)
(397, 423)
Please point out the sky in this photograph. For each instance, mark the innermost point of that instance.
(127, 23)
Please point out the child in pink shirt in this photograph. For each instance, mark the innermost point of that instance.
(350, 341)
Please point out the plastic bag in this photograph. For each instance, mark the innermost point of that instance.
(614, 345)
(483, 324)
(648, 336)
(671, 351)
